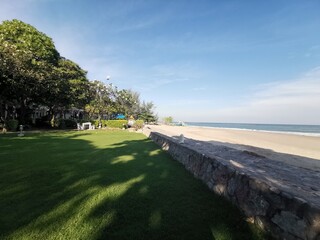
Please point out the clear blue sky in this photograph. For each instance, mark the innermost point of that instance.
(220, 61)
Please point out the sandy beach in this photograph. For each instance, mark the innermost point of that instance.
(298, 150)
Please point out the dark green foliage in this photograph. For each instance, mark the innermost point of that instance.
(146, 112)
(43, 122)
(32, 73)
(101, 102)
(67, 124)
(108, 101)
(12, 124)
(27, 60)
(69, 87)
(106, 185)
(25, 38)
(128, 102)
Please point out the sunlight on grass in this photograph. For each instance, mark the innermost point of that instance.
(102, 139)
(123, 159)
(116, 190)
(154, 152)
(221, 232)
(105, 185)
(81, 207)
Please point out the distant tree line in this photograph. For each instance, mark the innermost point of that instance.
(33, 74)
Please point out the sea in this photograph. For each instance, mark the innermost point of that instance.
(308, 130)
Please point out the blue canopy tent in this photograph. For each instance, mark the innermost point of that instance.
(120, 116)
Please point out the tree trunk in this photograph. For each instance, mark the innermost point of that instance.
(23, 110)
(1, 111)
(5, 111)
(52, 121)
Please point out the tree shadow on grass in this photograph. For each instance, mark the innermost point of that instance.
(69, 186)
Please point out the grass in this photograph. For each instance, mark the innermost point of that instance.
(106, 185)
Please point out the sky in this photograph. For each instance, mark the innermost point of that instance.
(196, 60)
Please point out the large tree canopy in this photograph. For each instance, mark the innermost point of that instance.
(27, 55)
(32, 73)
(25, 38)
(107, 101)
(67, 87)
(27, 58)
(102, 100)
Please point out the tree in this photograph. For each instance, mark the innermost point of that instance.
(146, 112)
(168, 120)
(27, 59)
(102, 100)
(67, 87)
(108, 101)
(128, 102)
(32, 74)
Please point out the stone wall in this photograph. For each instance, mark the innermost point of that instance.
(272, 208)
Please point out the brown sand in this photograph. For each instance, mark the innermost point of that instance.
(298, 150)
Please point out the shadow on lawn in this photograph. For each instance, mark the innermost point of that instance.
(65, 186)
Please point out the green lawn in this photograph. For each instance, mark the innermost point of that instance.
(106, 185)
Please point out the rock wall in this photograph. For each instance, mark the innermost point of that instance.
(275, 210)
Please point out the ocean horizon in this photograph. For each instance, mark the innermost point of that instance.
(299, 129)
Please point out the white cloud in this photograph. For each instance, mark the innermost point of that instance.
(162, 75)
(290, 102)
(296, 101)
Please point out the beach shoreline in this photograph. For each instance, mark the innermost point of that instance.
(259, 130)
(295, 149)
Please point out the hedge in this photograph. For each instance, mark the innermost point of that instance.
(111, 123)
(117, 123)
(66, 124)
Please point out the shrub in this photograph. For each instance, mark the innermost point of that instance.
(138, 124)
(116, 123)
(43, 122)
(12, 124)
(67, 124)
(168, 120)
(110, 123)
(96, 123)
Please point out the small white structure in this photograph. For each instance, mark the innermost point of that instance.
(86, 125)
(21, 134)
(181, 139)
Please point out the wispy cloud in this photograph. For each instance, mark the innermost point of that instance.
(295, 101)
(162, 74)
(158, 81)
